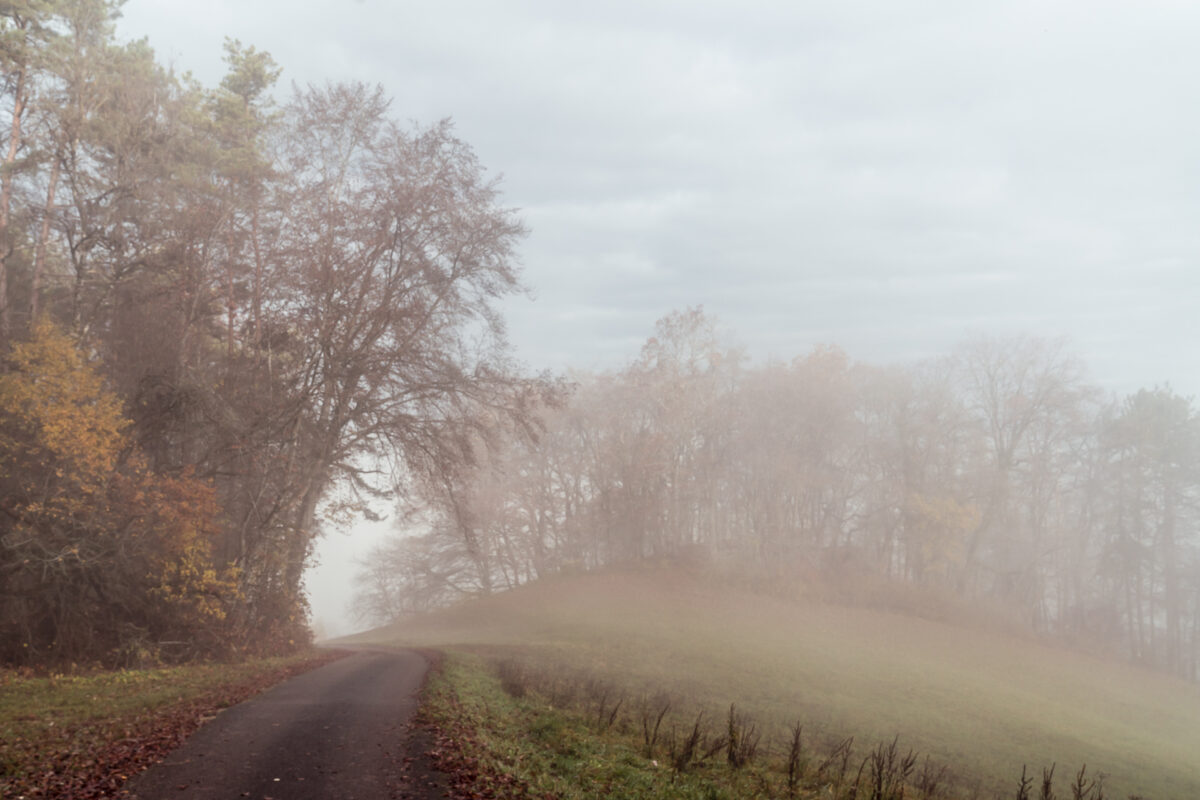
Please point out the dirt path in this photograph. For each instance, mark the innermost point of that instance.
(342, 731)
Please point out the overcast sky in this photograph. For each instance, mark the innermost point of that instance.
(887, 176)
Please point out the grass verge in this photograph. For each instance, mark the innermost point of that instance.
(82, 737)
(498, 745)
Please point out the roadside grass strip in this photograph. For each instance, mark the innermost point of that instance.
(77, 737)
(502, 746)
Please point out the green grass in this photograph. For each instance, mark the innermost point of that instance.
(526, 747)
(64, 733)
(984, 703)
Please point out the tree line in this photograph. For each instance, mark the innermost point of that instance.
(996, 475)
(224, 321)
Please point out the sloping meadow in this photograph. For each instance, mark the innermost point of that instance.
(983, 703)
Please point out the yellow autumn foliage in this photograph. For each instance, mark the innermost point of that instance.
(103, 555)
(183, 513)
(58, 413)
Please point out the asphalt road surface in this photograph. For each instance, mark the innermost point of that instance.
(342, 731)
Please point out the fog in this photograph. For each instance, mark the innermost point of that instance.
(832, 359)
(996, 475)
(889, 181)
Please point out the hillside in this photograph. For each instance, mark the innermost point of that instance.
(984, 703)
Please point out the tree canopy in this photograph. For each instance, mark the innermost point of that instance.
(994, 477)
(226, 318)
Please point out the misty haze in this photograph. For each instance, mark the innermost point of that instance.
(640, 400)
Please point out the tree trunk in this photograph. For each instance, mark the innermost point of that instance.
(258, 275)
(6, 191)
(39, 260)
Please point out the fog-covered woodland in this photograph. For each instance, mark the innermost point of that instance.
(995, 477)
(231, 315)
(214, 308)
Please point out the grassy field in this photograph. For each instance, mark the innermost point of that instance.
(79, 736)
(983, 703)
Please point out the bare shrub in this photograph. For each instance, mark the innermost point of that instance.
(653, 711)
(712, 747)
(797, 762)
(606, 702)
(684, 752)
(1085, 788)
(741, 740)
(1048, 783)
(1024, 786)
(833, 768)
(853, 789)
(929, 781)
(888, 771)
(606, 720)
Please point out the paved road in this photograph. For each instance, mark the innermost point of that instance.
(342, 731)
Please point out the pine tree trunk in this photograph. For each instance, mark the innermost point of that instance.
(39, 261)
(6, 190)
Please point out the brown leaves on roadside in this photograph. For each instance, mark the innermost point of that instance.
(470, 778)
(94, 761)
